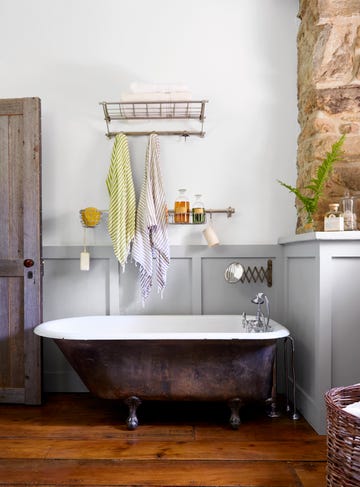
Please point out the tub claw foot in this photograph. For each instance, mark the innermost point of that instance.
(274, 412)
(235, 405)
(133, 403)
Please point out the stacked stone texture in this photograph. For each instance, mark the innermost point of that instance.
(329, 96)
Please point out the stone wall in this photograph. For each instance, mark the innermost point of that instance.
(329, 95)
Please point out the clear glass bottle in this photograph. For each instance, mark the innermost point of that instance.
(348, 210)
(198, 210)
(334, 219)
(182, 208)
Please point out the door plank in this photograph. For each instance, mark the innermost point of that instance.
(32, 248)
(11, 264)
(4, 186)
(4, 333)
(16, 337)
(16, 184)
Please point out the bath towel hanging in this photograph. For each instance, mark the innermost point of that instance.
(122, 207)
(151, 238)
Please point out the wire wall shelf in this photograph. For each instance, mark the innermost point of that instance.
(155, 110)
(189, 221)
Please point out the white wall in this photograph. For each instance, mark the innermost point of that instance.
(238, 54)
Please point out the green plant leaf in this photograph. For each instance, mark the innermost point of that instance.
(307, 201)
(316, 185)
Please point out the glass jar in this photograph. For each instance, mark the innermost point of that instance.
(334, 219)
(198, 210)
(348, 210)
(182, 208)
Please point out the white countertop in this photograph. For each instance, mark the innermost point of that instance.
(320, 236)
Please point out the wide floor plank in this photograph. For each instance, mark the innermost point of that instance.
(108, 449)
(152, 473)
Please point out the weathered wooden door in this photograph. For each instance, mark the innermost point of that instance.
(20, 250)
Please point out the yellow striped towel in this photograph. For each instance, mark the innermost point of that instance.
(119, 182)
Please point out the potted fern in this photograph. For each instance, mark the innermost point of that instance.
(315, 189)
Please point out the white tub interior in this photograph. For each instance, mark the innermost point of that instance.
(155, 327)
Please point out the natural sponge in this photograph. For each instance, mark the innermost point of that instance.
(90, 216)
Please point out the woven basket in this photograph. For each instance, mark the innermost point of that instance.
(343, 438)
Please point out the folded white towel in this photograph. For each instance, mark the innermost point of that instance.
(138, 87)
(156, 96)
(353, 409)
(151, 238)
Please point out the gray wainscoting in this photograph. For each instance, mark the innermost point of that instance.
(196, 285)
(322, 311)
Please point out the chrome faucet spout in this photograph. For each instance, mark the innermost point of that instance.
(262, 319)
(261, 322)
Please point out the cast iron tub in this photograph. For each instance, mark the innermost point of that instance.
(170, 357)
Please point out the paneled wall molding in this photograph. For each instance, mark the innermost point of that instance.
(186, 269)
(321, 308)
(56, 254)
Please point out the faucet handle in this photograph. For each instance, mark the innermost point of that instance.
(244, 321)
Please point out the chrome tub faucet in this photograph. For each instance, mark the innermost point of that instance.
(262, 320)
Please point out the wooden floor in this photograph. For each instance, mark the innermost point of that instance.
(78, 440)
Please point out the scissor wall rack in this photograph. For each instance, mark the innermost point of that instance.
(254, 274)
(155, 110)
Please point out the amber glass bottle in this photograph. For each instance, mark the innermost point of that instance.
(182, 208)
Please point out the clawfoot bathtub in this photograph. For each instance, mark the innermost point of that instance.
(170, 357)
